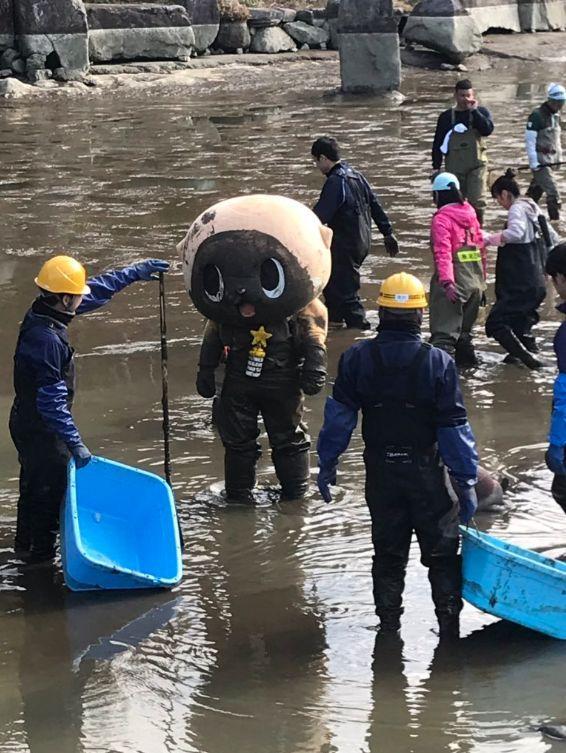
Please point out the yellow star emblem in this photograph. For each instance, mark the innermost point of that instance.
(260, 336)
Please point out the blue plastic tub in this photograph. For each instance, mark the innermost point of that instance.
(514, 583)
(119, 529)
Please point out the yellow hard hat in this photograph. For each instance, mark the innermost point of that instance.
(63, 274)
(402, 291)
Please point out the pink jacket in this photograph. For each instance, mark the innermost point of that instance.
(448, 235)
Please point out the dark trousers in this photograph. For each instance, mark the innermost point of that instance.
(403, 498)
(342, 293)
(43, 482)
(281, 407)
(559, 490)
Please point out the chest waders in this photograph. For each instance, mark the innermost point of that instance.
(406, 492)
(451, 324)
(520, 289)
(467, 159)
(266, 384)
(43, 458)
(548, 151)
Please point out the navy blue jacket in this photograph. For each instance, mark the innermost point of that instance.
(338, 207)
(43, 361)
(438, 385)
(480, 120)
(557, 434)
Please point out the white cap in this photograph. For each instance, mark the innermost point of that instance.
(557, 92)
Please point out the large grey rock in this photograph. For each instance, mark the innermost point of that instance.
(139, 32)
(35, 75)
(6, 24)
(305, 34)
(6, 72)
(497, 14)
(205, 18)
(8, 57)
(309, 16)
(272, 39)
(35, 62)
(11, 88)
(157, 43)
(368, 41)
(370, 63)
(19, 66)
(363, 17)
(261, 18)
(332, 9)
(136, 16)
(444, 26)
(56, 28)
(232, 35)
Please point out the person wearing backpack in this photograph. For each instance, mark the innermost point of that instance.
(347, 204)
(458, 283)
(520, 286)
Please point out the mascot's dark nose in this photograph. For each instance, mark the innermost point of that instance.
(240, 291)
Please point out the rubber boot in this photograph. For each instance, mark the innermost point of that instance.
(511, 343)
(529, 342)
(553, 206)
(389, 624)
(465, 354)
(293, 471)
(239, 476)
(448, 627)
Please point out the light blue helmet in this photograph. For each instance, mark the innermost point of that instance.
(445, 181)
(556, 92)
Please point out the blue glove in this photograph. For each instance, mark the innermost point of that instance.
(555, 459)
(81, 454)
(326, 478)
(468, 500)
(150, 269)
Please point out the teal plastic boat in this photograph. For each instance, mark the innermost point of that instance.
(514, 583)
(119, 529)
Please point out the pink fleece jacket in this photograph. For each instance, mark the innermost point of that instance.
(448, 235)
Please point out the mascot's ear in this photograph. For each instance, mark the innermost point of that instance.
(326, 234)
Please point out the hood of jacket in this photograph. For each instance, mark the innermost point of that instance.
(528, 206)
(462, 214)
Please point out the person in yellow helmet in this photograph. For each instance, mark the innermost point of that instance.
(41, 424)
(414, 427)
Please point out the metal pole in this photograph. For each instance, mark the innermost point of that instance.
(164, 379)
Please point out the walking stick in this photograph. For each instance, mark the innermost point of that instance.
(165, 397)
(164, 379)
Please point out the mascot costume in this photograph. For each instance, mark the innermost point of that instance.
(254, 267)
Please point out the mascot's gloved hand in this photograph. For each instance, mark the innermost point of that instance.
(150, 269)
(206, 384)
(468, 500)
(391, 245)
(326, 478)
(312, 381)
(555, 459)
(81, 454)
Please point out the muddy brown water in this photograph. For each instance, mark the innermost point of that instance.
(268, 645)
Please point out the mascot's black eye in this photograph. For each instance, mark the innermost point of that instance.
(272, 278)
(213, 283)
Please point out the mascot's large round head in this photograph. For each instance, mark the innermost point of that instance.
(255, 259)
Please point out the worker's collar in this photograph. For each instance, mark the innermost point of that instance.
(392, 329)
(40, 307)
(336, 167)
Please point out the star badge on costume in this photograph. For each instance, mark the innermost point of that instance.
(260, 336)
(257, 352)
